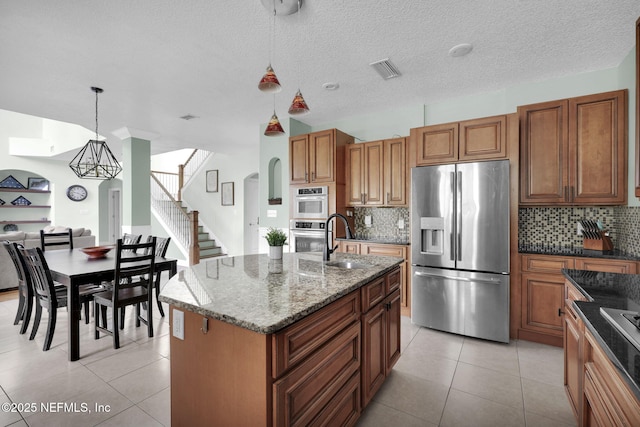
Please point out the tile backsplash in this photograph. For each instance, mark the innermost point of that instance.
(384, 223)
(557, 226)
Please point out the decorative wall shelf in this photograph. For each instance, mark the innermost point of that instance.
(24, 206)
(22, 190)
(26, 222)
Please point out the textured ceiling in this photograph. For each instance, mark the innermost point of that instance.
(158, 60)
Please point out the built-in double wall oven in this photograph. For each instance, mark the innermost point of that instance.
(310, 213)
(307, 235)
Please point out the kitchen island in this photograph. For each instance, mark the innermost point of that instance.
(297, 341)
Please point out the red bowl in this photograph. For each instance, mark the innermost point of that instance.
(95, 252)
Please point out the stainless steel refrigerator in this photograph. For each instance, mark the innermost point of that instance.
(460, 248)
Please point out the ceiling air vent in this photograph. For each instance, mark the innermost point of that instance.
(385, 68)
(189, 117)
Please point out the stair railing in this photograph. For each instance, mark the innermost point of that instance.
(188, 169)
(182, 224)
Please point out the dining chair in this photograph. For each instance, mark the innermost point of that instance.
(25, 289)
(132, 285)
(131, 239)
(162, 244)
(58, 239)
(46, 294)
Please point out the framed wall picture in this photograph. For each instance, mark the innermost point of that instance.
(38, 184)
(212, 181)
(227, 193)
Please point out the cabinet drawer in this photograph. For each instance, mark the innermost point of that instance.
(344, 408)
(607, 266)
(393, 281)
(373, 293)
(384, 250)
(299, 340)
(546, 263)
(301, 395)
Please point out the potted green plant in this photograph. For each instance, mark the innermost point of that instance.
(276, 239)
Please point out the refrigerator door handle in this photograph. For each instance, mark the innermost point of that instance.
(462, 279)
(459, 217)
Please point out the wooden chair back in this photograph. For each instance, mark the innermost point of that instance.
(162, 244)
(24, 281)
(131, 239)
(38, 270)
(134, 266)
(59, 239)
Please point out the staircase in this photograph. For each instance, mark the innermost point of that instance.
(183, 224)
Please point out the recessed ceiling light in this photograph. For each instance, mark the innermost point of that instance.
(331, 85)
(189, 117)
(460, 50)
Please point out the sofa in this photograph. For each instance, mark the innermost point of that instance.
(82, 238)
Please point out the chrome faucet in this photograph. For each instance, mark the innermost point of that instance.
(326, 250)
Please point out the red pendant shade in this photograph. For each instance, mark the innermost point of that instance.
(298, 105)
(274, 128)
(269, 82)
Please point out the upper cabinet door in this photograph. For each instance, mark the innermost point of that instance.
(322, 156)
(484, 138)
(299, 159)
(395, 171)
(598, 144)
(373, 173)
(544, 153)
(436, 144)
(354, 171)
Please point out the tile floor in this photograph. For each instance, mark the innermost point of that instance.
(440, 380)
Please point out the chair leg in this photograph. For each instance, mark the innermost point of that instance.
(137, 315)
(116, 331)
(96, 319)
(36, 321)
(20, 312)
(86, 312)
(150, 320)
(51, 327)
(121, 310)
(27, 316)
(157, 286)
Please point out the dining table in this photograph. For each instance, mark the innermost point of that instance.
(73, 268)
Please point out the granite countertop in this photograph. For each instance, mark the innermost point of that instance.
(612, 290)
(383, 240)
(576, 252)
(264, 295)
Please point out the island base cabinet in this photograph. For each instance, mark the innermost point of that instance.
(219, 378)
(312, 393)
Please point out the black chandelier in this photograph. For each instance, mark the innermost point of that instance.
(95, 160)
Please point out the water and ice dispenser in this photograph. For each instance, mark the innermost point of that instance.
(432, 235)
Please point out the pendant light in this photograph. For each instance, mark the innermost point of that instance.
(269, 82)
(298, 105)
(274, 128)
(95, 160)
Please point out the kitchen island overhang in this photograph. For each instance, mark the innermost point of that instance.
(285, 342)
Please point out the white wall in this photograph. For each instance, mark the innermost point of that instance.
(226, 222)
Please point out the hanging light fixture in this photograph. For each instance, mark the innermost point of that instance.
(274, 128)
(298, 105)
(95, 160)
(269, 82)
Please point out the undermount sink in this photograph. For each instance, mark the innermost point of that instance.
(347, 264)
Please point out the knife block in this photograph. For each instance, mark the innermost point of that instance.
(604, 243)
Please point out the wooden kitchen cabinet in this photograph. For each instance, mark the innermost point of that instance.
(608, 401)
(543, 295)
(479, 139)
(365, 174)
(376, 173)
(380, 333)
(313, 157)
(574, 151)
(384, 249)
(573, 343)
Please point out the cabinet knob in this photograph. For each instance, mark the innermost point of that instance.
(388, 197)
(306, 177)
(205, 325)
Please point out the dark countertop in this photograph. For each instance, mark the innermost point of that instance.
(383, 240)
(576, 252)
(612, 290)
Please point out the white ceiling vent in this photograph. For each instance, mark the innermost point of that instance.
(385, 68)
(189, 117)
